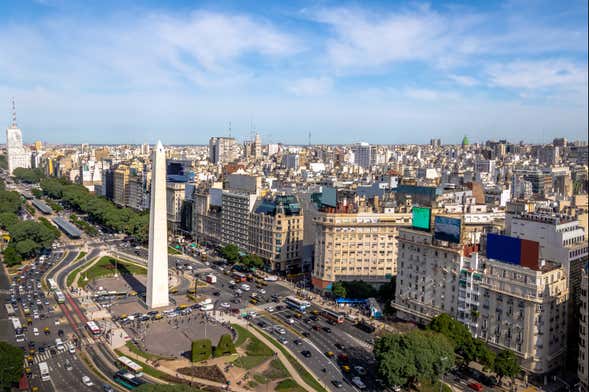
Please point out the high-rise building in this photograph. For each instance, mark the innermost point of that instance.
(362, 154)
(17, 154)
(222, 150)
(157, 265)
(583, 365)
(175, 195)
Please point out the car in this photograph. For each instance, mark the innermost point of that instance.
(297, 342)
(270, 309)
(262, 324)
(262, 291)
(36, 331)
(291, 321)
(340, 346)
(283, 341)
(360, 370)
(327, 329)
(71, 349)
(316, 327)
(60, 333)
(306, 353)
(329, 354)
(42, 349)
(337, 383)
(87, 381)
(225, 305)
(68, 365)
(107, 388)
(357, 381)
(395, 388)
(306, 334)
(216, 293)
(475, 386)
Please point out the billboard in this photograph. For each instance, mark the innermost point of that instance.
(447, 229)
(421, 218)
(504, 248)
(329, 197)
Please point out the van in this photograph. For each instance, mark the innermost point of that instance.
(59, 344)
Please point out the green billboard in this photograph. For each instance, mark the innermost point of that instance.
(421, 218)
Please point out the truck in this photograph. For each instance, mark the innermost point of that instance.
(212, 279)
(207, 307)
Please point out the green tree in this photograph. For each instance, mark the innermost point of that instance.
(338, 290)
(506, 364)
(3, 162)
(458, 333)
(402, 359)
(230, 252)
(10, 201)
(11, 256)
(11, 370)
(8, 219)
(252, 261)
(27, 248)
(485, 356)
(224, 347)
(359, 289)
(201, 350)
(30, 176)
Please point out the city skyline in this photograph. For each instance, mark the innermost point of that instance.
(393, 73)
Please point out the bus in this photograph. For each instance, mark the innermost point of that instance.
(44, 370)
(18, 330)
(59, 297)
(93, 328)
(239, 277)
(52, 284)
(333, 316)
(10, 310)
(127, 380)
(130, 366)
(297, 304)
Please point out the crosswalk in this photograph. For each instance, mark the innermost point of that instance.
(41, 357)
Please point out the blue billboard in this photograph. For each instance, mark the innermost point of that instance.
(504, 248)
(447, 229)
(329, 197)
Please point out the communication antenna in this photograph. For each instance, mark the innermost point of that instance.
(13, 113)
(229, 128)
(309, 138)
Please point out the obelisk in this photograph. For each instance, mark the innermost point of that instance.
(157, 264)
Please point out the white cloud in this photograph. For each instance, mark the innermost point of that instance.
(560, 74)
(464, 80)
(311, 86)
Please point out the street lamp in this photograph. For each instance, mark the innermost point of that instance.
(443, 359)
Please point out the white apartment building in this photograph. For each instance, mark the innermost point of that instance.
(175, 195)
(17, 154)
(362, 154)
(525, 311)
(583, 365)
(223, 150)
(509, 306)
(356, 246)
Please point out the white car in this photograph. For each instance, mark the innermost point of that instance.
(56, 322)
(262, 291)
(357, 381)
(71, 348)
(36, 331)
(252, 314)
(225, 305)
(283, 341)
(291, 321)
(86, 381)
(270, 309)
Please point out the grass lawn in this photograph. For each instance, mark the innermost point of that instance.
(80, 255)
(427, 386)
(173, 251)
(305, 375)
(249, 362)
(276, 370)
(261, 379)
(106, 267)
(288, 385)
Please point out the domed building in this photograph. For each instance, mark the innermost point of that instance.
(465, 141)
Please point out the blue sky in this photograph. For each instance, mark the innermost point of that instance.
(383, 72)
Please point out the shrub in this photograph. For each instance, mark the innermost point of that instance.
(201, 350)
(225, 346)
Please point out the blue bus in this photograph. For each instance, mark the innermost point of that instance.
(127, 380)
(298, 304)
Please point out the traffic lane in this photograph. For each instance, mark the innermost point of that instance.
(326, 341)
(316, 362)
(71, 380)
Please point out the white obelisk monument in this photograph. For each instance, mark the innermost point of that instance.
(157, 264)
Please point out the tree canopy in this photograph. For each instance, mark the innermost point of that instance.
(358, 289)
(402, 359)
(12, 359)
(166, 388)
(252, 261)
(231, 253)
(506, 364)
(338, 290)
(31, 176)
(10, 201)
